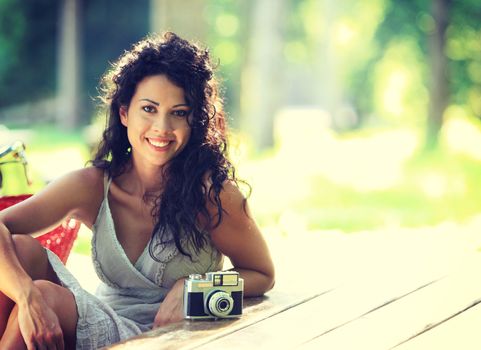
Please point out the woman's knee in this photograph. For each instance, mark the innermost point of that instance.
(27, 247)
(47, 289)
(53, 294)
(32, 256)
(57, 297)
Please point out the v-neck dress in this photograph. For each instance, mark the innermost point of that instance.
(129, 295)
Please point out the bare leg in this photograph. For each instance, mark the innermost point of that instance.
(34, 260)
(12, 338)
(6, 306)
(62, 302)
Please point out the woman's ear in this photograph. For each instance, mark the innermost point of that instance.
(123, 115)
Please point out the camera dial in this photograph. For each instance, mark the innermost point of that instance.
(219, 303)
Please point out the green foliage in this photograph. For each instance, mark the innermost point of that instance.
(409, 204)
(359, 35)
(464, 53)
(380, 51)
(463, 47)
(12, 27)
(228, 37)
(109, 28)
(368, 180)
(27, 50)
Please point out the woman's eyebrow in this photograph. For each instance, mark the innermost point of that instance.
(158, 104)
(149, 100)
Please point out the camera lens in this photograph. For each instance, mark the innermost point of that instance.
(220, 304)
(223, 305)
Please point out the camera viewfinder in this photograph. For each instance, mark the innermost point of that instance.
(226, 280)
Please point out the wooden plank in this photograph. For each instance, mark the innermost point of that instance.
(292, 288)
(459, 332)
(394, 323)
(323, 314)
(186, 334)
(375, 270)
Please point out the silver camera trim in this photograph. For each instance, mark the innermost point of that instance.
(213, 283)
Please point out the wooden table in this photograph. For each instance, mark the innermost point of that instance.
(401, 290)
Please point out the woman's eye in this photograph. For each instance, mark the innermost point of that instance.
(148, 109)
(181, 113)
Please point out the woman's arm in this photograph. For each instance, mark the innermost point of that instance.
(72, 195)
(239, 238)
(77, 195)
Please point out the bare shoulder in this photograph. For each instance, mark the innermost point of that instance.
(232, 200)
(84, 187)
(85, 178)
(76, 194)
(235, 216)
(86, 183)
(230, 194)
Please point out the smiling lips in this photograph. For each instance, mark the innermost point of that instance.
(159, 144)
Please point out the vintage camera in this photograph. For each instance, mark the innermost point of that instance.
(218, 295)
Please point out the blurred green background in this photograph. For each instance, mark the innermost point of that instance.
(345, 115)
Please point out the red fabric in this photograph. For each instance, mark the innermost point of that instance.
(59, 240)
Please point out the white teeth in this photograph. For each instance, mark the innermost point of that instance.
(158, 144)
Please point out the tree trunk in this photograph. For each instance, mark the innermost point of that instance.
(262, 78)
(439, 89)
(328, 94)
(69, 94)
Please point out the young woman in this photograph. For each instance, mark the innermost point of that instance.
(161, 199)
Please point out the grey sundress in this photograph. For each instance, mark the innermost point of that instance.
(129, 295)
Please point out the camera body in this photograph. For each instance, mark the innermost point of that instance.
(218, 295)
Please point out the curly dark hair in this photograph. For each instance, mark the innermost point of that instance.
(185, 194)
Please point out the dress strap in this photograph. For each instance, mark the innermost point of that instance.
(107, 181)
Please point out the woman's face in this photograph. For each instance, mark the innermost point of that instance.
(156, 121)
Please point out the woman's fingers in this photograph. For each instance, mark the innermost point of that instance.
(51, 339)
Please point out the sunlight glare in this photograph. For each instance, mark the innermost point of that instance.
(291, 221)
(434, 185)
(461, 134)
(394, 92)
(370, 163)
(344, 34)
(65, 160)
(365, 163)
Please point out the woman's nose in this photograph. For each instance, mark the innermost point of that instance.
(162, 123)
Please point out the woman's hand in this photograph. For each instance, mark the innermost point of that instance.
(38, 323)
(172, 308)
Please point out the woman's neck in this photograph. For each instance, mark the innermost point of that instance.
(141, 180)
